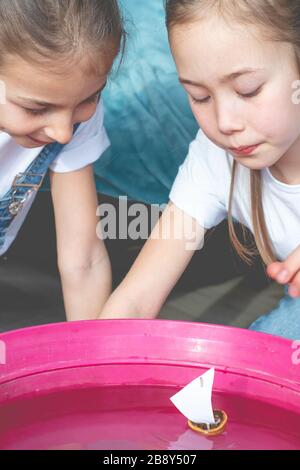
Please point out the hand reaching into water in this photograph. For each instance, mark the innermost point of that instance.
(288, 272)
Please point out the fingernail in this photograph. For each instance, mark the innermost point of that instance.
(283, 276)
(293, 291)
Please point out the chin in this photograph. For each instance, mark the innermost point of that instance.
(23, 142)
(252, 165)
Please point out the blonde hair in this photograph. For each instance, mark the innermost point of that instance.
(278, 20)
(64, 30)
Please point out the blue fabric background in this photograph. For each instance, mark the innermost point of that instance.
(147, 115)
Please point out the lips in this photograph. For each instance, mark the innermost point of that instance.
(240, 149)
(38, 141)
(245, 150)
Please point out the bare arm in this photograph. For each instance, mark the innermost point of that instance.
(83, 261)
(158, 267)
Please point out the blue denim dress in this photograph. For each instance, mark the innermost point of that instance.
(24, 183)
(283, 320)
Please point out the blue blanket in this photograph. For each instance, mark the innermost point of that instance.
(147, 115)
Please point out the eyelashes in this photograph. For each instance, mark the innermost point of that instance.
(35, 112)
(204, 100)
(251, 95)
(40, 112)
(242, 95)
(93, 99)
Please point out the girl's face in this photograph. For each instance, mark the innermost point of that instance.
(42, 106)
(240, 89)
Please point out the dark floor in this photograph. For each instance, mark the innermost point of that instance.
(216, 288)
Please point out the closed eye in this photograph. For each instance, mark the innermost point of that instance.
(35, 112)
(93, 99)
(200, 101)
(243, 95)
(39, 112)
(252, 94)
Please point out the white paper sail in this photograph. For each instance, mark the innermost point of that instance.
(194, 401)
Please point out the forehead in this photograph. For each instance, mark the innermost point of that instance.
(50, 80)
(216, 48)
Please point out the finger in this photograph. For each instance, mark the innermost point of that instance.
(274, 269)
(279, 272)
(294, 289)
(285, 271)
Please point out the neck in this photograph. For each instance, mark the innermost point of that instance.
(287, 169)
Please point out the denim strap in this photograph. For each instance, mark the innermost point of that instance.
(25, 183)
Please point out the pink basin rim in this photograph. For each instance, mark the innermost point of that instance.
(169, 346)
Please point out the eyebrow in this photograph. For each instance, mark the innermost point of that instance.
(45, 103)
(224, 79)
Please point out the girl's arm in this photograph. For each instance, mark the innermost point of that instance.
(158, 267)
(83, 261)
(288, 272)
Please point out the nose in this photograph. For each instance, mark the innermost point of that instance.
(229, 117)
(61, 129)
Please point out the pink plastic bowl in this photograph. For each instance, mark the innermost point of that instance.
(107, 384)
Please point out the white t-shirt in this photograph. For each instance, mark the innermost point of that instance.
(87, 145)
(202, 188)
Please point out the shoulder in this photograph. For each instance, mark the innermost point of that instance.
(88, 129)
(202, 183)
(87, 145)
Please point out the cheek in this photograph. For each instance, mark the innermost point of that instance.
(204, 116)
(85, 113)
(279, 119)
(277, 115)
(15, 121)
